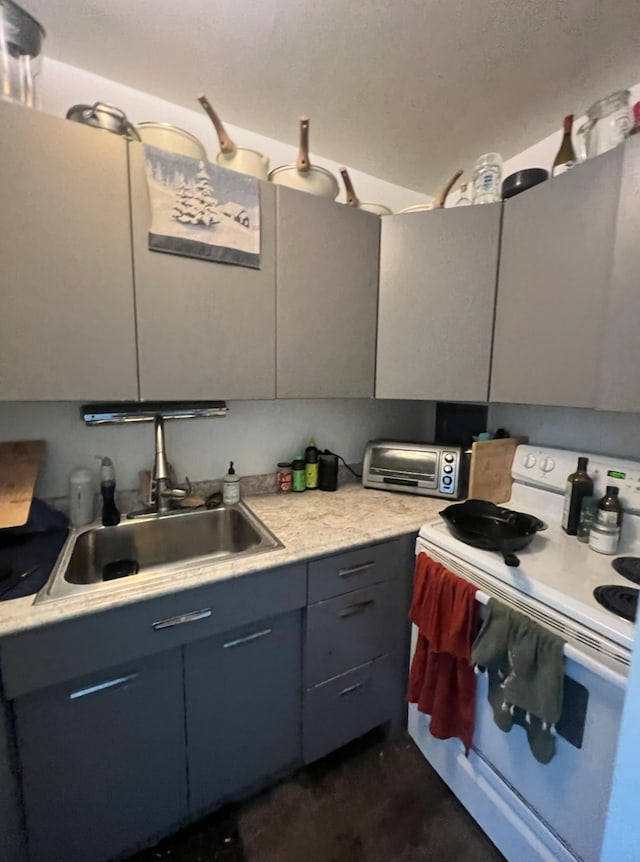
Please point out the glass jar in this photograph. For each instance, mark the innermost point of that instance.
(608, 124)
(604, 538)
(487, 179)
(587, 517)
(285, 480)
(20, 55)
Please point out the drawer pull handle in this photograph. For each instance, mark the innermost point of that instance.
(351, 688)
(102, 686)
(355, 609)
(355, 570)
(190, 617)
(247, 639)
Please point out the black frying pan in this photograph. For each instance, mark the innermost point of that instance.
(492, 528)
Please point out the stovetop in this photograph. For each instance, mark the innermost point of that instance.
(555, 569)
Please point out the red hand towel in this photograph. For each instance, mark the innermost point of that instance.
(442, 681)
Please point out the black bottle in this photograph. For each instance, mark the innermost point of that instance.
(579, 485)
(610, 508)
(110, 513)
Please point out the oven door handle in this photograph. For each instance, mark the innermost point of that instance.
(580, 658)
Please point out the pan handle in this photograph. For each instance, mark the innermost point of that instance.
(510, 559)
(440, 200)
(226, 144)
(302, 162)
(352, 198)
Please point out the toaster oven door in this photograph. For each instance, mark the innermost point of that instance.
(403, 468)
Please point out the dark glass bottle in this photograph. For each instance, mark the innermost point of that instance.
(566, 155)
(609, 508)
(579, 485)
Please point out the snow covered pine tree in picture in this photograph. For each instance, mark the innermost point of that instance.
(201, 210)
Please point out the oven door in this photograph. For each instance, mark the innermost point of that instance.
(535, 812)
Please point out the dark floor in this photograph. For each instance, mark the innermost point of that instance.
(373, 801)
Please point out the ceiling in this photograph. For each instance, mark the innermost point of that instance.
(407, 90)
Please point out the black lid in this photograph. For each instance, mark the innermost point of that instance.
(612, 490)
(582, 463)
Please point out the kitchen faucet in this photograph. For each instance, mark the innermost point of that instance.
(162, 491)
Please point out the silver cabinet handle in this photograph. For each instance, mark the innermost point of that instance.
(351, 688)
(190, 617)
(355, 609)
(354, 570)
(102, 686)
(247, 639)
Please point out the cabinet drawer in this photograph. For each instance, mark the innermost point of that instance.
(350, 630)
(333, 576)
(72, 648)
(344, 708)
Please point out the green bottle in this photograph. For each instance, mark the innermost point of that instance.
(311, 465)
(297, 473)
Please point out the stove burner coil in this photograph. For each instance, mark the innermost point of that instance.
(628, 567)
(622, 601)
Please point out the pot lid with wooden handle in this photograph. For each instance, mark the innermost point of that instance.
(227, 146)
(352, 198)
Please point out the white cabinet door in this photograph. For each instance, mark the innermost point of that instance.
(437, 293)
(620, 357)
(557, 242)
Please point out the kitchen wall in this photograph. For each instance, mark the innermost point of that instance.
(571, 428)
(64, 86)
(255, 435)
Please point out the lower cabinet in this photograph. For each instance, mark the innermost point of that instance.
(243, 708)
(113, 760)
(102, 761)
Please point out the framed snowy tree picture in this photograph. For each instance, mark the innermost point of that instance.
(201, 210)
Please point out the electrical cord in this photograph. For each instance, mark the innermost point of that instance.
(340, 458)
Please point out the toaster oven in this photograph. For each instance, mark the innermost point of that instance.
(429, 469)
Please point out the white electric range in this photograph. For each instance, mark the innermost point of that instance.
(535, 812)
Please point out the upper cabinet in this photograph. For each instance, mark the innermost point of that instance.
(620, 356)
(205, 330)
(557, 244)
(327, 298)
(67, 320)
(437, 289)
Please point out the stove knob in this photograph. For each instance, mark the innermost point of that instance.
(529, 461)
(547, 465)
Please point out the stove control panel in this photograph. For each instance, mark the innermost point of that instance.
(549, 469)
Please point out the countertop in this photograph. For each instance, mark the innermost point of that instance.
(312, 524)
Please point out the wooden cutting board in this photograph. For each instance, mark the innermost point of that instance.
(19, 464)
(490, 470)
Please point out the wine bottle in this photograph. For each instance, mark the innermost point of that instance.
(579, 485)
(566, 155)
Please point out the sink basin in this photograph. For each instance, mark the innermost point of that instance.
(99, 557)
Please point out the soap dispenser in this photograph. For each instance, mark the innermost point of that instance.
(110, 513)
(231, 487)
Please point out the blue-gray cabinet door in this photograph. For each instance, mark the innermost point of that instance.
(244, 701)
(12, 839)
(103, 761)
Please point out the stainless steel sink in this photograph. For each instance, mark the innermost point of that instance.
(99, 557)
